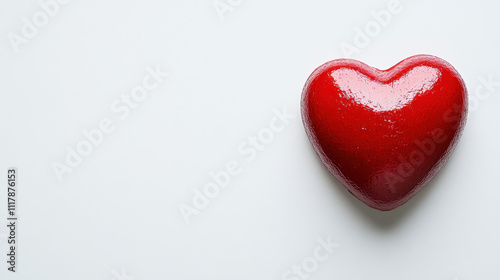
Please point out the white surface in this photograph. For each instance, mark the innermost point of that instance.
(117, 214)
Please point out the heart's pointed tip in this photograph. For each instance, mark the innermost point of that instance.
(382, 199)
(384, 208)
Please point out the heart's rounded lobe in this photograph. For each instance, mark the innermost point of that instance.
(384, 134)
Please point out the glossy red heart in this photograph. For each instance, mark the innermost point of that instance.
(384, 134)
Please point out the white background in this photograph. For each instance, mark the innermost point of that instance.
(116, 216)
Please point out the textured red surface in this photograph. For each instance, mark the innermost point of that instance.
(384, 134)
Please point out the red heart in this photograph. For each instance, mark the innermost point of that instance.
(384, 134)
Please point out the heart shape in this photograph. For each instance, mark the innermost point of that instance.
(384, 134)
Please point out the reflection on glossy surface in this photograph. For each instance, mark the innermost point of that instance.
(384, 134)
(386, 96)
